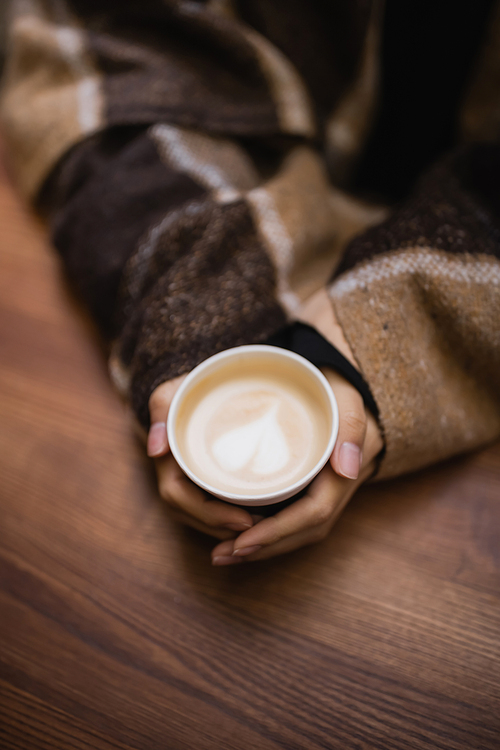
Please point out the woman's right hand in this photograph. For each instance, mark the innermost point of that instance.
(187, 503)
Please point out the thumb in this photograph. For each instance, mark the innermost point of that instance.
(159, 405)
(347, 456)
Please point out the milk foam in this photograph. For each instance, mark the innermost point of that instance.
(260, 444)
(252, 434)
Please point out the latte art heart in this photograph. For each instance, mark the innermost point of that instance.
(260, 444)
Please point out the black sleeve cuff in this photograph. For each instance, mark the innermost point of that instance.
(305, 340)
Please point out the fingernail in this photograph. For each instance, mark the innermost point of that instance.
(238, 526)
(157, 439)
(246, 550)
(225, 560)
(256, 519)
(349, 460)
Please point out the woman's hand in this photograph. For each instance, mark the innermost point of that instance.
(309, 519)
(359, 442)
(187, 502)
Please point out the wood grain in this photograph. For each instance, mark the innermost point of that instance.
(115, 631)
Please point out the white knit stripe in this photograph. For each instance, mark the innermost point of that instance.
(218, 164)
(90, 104)
(422, 262)
(71, 43)
(278, 242)
(176, 152)
(289, 92)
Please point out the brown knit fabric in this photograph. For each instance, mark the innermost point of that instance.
(208, 285)
(179, 63)
(107, 194)
(455, 208)
(186, 151)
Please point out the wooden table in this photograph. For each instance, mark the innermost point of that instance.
(115, 631)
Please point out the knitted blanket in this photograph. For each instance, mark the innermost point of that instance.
(190, 157)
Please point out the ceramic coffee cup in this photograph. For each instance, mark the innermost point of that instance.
(253, 425)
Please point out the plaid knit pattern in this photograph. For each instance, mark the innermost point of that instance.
(189, 155)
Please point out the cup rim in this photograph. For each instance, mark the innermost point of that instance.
(260, 498)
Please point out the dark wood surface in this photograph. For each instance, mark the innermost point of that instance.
(115, 631)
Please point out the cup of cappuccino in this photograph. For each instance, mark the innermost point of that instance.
(253, 425)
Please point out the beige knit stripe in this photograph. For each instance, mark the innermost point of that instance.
(52, 93)
(218, 164)
(289, 92)
(278, 242)
(305, 223)
(421, 261)
(30, 15)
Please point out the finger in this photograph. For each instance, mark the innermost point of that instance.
(184, 496)
(159, 404)
(226, 551)
(223, 554)
(310, 511)
(157, 444)
(346, 458)
(185, 520)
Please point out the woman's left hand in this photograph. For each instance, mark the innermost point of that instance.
(311, 518)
